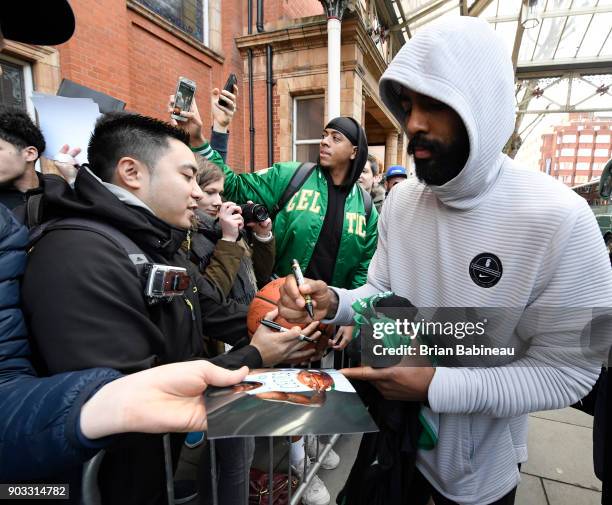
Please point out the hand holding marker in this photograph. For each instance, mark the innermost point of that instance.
(299, 279)
(278, 327)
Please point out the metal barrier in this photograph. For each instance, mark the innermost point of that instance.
(91, 492)
(314, 468)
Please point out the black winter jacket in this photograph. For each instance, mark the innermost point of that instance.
(84, 302)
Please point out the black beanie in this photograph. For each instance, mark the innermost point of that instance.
(353, 131)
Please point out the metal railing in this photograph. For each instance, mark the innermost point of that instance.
(91, 492)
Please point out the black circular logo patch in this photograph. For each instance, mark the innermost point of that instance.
(486, 270)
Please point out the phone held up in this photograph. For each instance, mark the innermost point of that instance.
(232, 80)
(183, 97)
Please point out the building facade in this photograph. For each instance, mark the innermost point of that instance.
(577, 151)
(135, 51)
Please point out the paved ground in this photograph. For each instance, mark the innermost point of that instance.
(560, 466)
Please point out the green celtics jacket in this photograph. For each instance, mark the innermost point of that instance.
(298, 224)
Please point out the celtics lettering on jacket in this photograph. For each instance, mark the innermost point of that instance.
(307, 200)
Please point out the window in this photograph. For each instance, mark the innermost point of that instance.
(598, 167)
(569, 139)
(190, 16)
(601, 153)
(579, 179)
(585, 151)
(602, 139)
(586, 138)
(567, 151)
(16, 84)
(583, 165)
(566, 165)
(308, 115)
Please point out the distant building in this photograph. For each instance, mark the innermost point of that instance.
(577, 151)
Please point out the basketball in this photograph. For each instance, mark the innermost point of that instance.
(266, 299)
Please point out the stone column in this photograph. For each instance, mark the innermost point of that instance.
(391, 149)
(334, 10)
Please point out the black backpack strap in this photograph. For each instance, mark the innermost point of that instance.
(367, 202)
(33, 207)
(136, 255)
(297, 180)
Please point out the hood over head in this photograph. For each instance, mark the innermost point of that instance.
(92, 199)
(353, 131)
(463, 63)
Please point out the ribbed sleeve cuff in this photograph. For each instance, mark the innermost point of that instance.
(448, 391)
(263, 240)
(344, 314)
(204, 150)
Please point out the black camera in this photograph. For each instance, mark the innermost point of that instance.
(254, 213)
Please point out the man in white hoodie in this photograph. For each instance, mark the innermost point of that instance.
(477, 230)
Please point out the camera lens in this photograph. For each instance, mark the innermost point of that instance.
(254, 213)
(260, 213)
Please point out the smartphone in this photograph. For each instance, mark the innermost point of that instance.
(232, 80)
(183, 97)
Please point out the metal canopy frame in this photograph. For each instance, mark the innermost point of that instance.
(564, 64)
(573, 37)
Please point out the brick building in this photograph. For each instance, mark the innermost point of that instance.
(577, 151)
(135, 50)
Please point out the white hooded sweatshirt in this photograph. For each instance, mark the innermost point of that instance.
(545, 251)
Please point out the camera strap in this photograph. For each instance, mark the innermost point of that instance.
(143, 266)
(297, 181)
(136, 255)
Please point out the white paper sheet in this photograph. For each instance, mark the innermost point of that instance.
(65, 121)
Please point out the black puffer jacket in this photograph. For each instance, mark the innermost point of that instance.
(85, 306)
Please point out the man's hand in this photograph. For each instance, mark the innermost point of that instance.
(262, 229)
(66, 163)
(395, 383)
(284, 347)
(230, 220)
(163, 399)
(292, 305)
(223, 115)
(343, 338)
(193, 125)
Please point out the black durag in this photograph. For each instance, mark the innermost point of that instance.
(353, 131)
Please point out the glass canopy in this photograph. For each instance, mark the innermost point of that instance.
(561, 49)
